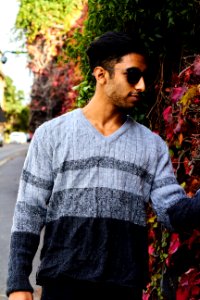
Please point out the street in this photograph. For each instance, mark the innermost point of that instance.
(9, 151)
(11, 161)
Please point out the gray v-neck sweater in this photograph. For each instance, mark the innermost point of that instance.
(90, 193)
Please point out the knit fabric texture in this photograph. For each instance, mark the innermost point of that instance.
(90, 192)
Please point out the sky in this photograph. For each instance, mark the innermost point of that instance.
(16, 65)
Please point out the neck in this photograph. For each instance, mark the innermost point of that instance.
(103, 116)
(103, 112)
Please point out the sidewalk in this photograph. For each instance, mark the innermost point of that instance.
(37, 294)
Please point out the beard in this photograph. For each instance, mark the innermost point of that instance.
(125, 103)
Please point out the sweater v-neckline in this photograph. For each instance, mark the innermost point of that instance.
(96, 132)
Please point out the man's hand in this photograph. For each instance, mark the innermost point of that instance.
(21, 296)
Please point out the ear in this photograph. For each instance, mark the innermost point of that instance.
(100, 75)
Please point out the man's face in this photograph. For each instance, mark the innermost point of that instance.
(126, 84)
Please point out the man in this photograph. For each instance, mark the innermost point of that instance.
(87, 178)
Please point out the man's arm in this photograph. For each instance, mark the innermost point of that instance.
(35, 188)
(21, 296)
(170, 202)
(185, 214)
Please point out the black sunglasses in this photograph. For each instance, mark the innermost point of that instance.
(134, 74)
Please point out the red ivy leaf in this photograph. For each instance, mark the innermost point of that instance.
(195, 291)
(167, 114)
(145, 296)
(182, 294)
(151, 249)
(174, 243)
(177, 93)
(197, 65)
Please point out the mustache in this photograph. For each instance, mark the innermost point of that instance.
(134, 94)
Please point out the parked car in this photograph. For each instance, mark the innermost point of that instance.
(1, 140)
(18, 137)
(29, 137)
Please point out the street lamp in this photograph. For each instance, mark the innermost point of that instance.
(4, 58)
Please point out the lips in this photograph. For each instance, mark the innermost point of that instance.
(134, 96)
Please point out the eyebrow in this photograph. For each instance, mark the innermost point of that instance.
(125, 69)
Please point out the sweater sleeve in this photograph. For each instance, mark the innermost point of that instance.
(169, 200)
(165, 191)
(35, 188)
(185, 214)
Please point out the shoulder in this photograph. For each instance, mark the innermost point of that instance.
(149, 137)
(57, 124)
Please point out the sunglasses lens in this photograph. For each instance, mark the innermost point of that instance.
(133, 75)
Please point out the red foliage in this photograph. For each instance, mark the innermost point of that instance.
(189, 287)
(54, 75)
(185, 143)
(182, 133)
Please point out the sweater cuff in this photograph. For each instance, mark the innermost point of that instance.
(185, 214)
(23, 247)
(18, 283)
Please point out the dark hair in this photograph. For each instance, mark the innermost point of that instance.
(109, 48)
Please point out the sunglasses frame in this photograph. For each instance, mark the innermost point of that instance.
(136, 76)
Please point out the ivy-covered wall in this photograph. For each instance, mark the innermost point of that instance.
(47, 26)
(170, 29)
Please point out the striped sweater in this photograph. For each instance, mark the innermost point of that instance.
(89, 191)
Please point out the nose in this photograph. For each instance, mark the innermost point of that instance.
(140, 85)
